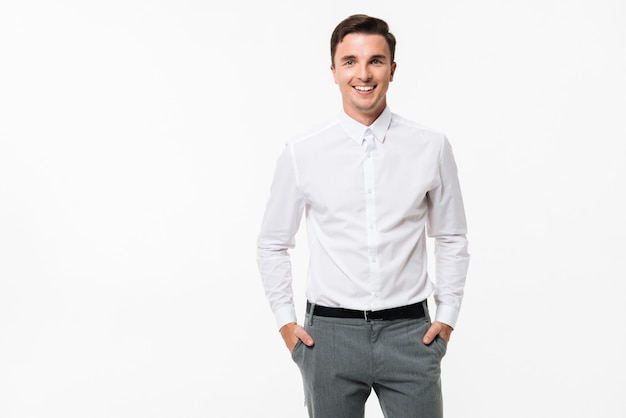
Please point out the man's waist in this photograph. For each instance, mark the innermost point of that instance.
(413, 311)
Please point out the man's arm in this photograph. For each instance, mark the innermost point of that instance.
(280, 224)
(281, 221)
(447, 225)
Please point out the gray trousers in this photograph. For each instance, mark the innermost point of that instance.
(352, 356)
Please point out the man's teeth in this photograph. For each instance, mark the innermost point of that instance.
(364, 88)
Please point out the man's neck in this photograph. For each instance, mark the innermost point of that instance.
(364, 118)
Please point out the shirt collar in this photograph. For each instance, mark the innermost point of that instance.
(357, 131)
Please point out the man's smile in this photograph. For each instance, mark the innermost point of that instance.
(364, 88)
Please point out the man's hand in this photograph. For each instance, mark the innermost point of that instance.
(293, 332)
(437, 328)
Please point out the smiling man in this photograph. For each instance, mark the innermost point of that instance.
(373, 186)
(363, 74)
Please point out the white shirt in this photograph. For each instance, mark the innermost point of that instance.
(368, 208)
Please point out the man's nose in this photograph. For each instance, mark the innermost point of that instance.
(364, 73)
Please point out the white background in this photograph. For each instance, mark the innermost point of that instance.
(137, 144)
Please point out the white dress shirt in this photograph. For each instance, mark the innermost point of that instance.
(370, 194)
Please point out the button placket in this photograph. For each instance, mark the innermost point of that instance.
(370, 213)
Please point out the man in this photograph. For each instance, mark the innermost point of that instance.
(372, 185)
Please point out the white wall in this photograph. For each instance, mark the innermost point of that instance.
(137, 143)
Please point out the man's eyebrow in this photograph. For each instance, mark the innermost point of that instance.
(348, 58)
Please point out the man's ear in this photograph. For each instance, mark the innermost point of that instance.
(393, 71)
(332, 68)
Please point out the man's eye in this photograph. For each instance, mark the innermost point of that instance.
(376, 61)
(349, 62)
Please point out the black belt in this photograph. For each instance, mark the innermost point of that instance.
(403, 312)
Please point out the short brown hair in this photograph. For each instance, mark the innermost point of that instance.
(361, 24)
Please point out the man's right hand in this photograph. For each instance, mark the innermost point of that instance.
(293, 332)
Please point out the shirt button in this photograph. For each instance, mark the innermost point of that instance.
(369, 191)
(373, 259)
(369, 155)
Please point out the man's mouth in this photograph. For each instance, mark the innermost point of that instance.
(364, 88)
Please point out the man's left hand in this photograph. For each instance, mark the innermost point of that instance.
(437, 328)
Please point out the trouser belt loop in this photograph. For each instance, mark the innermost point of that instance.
(311, 311)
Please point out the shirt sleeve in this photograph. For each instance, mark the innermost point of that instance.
(281, 221)
(447, 225)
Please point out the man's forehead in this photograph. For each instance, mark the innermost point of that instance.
(373, 44)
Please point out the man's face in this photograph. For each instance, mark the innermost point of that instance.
(362, 69)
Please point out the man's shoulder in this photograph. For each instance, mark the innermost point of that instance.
(318, 130)
(416, 127)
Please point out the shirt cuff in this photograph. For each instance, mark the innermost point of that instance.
(285, 315)
(447, 314)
